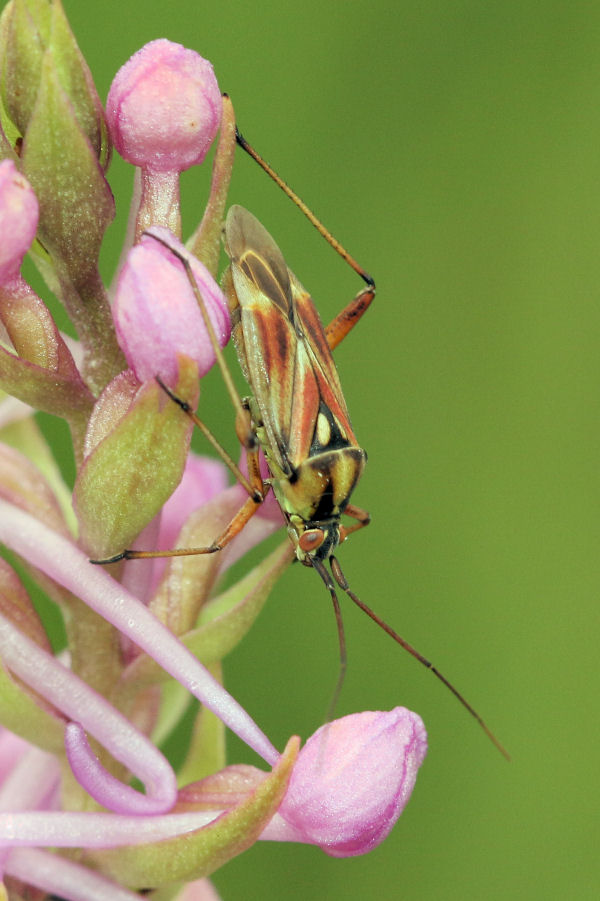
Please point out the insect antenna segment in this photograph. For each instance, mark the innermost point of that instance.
(342, 582)
(320, 568)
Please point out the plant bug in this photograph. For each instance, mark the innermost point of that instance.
(296, 413)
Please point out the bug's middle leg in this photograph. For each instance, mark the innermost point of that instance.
(253, 483)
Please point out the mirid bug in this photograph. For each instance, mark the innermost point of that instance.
(296, 413)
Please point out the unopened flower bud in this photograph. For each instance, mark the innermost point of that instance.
(164, 107)
(156, 313)
(353, 779)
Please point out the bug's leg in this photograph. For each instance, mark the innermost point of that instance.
(252, 483)
(345, 321)
(245, 513)
(362, 519)
(257, 490)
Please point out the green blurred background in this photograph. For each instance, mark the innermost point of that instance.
(454, 147)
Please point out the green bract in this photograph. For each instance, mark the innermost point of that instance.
(127, 477)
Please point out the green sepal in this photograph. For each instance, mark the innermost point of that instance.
(24, 33)
(61, 395)
(25, 436)
(78, 83)
(76, 206)
(6, 146)
(16, 605)
(41, 371)
(203, 851)
(76, 203)
(135, 467)
(205, 243)
(28, 28)
(22, 484)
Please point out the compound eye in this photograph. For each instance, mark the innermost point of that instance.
(311, 540)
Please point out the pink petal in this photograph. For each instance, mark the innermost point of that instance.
(67, 565)
(203, 479)
(200, 890)
(352, 781)
(63, 878)
(71, 695)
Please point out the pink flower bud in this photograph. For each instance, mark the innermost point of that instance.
(18, 219)
(156, 313)
(164, 107)
(353, 779)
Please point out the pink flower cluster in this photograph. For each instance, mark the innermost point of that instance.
(77, 726)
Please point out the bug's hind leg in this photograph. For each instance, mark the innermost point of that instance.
(345, 321)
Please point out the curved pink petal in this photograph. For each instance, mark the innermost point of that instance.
(19, 213)
(66, 564)
(70, 694)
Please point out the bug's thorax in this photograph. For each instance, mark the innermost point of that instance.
(320, 487)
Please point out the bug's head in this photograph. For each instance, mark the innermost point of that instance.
(314, 541)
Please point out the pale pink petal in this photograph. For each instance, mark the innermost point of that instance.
(63, 878)
(18, 219)
(67, 565)
(351, 782)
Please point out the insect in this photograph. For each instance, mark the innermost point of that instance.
(296, 413)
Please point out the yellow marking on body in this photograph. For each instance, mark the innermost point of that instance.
(323, 430)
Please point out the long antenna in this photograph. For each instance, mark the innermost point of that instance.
(341, 580)
(316, 564)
